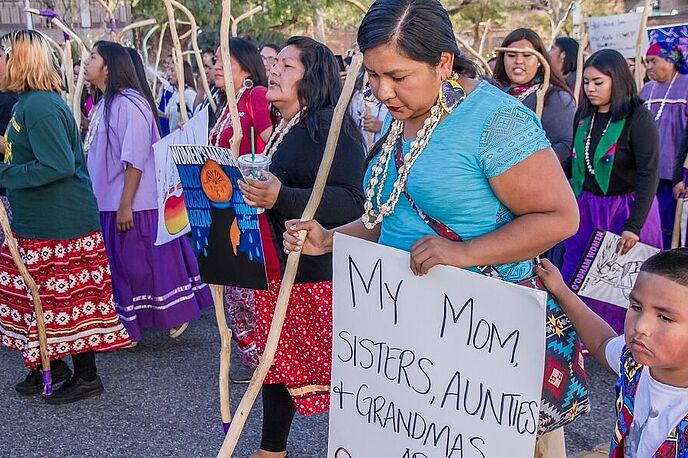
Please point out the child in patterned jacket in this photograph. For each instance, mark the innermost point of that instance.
(650, 358)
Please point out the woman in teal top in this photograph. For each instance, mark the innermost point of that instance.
(57, 231)
(474, 159)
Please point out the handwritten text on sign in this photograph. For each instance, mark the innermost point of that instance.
(445, 365)
(618, 32)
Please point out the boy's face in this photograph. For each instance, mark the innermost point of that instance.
(656, 327)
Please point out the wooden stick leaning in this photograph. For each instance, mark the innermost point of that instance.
(545, 80)
(178, 62)
(225, 333)
(241, 17)
(579, 68)
(75, 101)
(229, 83)
(134, 25)
(144, 43)
(639, 45)
(197, 52)
(112, 21)
(676, 234)
(158, 55)
(37, 304)
(68, 70)
(483, 38)
(475, 54)
(292, 264)
(676, 241)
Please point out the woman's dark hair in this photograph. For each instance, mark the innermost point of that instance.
(189, 80)
(419, 29)
(556, 81)
(320, 87)
(121, 76)
(248, 57)
(624, 97)
(273, 46)
(143, 82)
(570, 48)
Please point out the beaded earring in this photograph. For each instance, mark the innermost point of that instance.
(451, 93)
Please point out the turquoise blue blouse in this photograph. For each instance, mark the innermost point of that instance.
(485, 136)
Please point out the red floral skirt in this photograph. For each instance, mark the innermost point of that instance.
(73, 278)
(303, 361)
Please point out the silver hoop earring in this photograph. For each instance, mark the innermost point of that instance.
(248, 83)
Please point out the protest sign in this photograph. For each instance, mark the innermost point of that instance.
(445, 365)
(173, 220)
(619, 32)
(225, 231)
(606, 275)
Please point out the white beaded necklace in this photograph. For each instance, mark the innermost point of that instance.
(372, 217)
(224, 119)
(648, 104)
(93, 126)
(588, 160)
(280, 132)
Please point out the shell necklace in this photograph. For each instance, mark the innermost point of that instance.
(280, 132)
(371, 216)
(648, 104)
(93, 126)
(224, 119)
(588, 159)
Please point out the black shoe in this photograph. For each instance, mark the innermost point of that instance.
(75, 389)
(33, 383)
(242, 376)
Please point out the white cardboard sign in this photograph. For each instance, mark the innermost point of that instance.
(173, 220)
(445, 365)
(619, 32)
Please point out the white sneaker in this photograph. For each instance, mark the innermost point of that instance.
(178, 331)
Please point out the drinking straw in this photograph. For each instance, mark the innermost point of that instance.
(253, 153)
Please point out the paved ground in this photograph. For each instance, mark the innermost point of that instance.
(161, 401)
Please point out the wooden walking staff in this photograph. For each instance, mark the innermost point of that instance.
(75, 102)
(475, 54)
(292, 264)
(579, 68)
(158, 55)
(144, 43)
(197, 52)
(639, 44)
(38, 305)
(178, 61)
(545, 79)
(112, 20)
(676, 241)
(132, 26)
(218, 300)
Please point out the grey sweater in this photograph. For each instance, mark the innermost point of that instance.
(557, 120)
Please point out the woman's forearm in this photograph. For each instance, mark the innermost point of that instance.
(354, 229)
(524, 238)
(132, 179)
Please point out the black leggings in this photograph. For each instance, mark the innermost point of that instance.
(278, 413)
(85, 366)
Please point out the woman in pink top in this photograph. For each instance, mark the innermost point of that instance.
(250, 87)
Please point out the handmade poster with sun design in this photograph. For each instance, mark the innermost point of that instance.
(225, 231)
(173, 221)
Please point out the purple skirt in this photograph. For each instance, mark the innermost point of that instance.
(667, 211)
(608, 213)
(153, 286)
